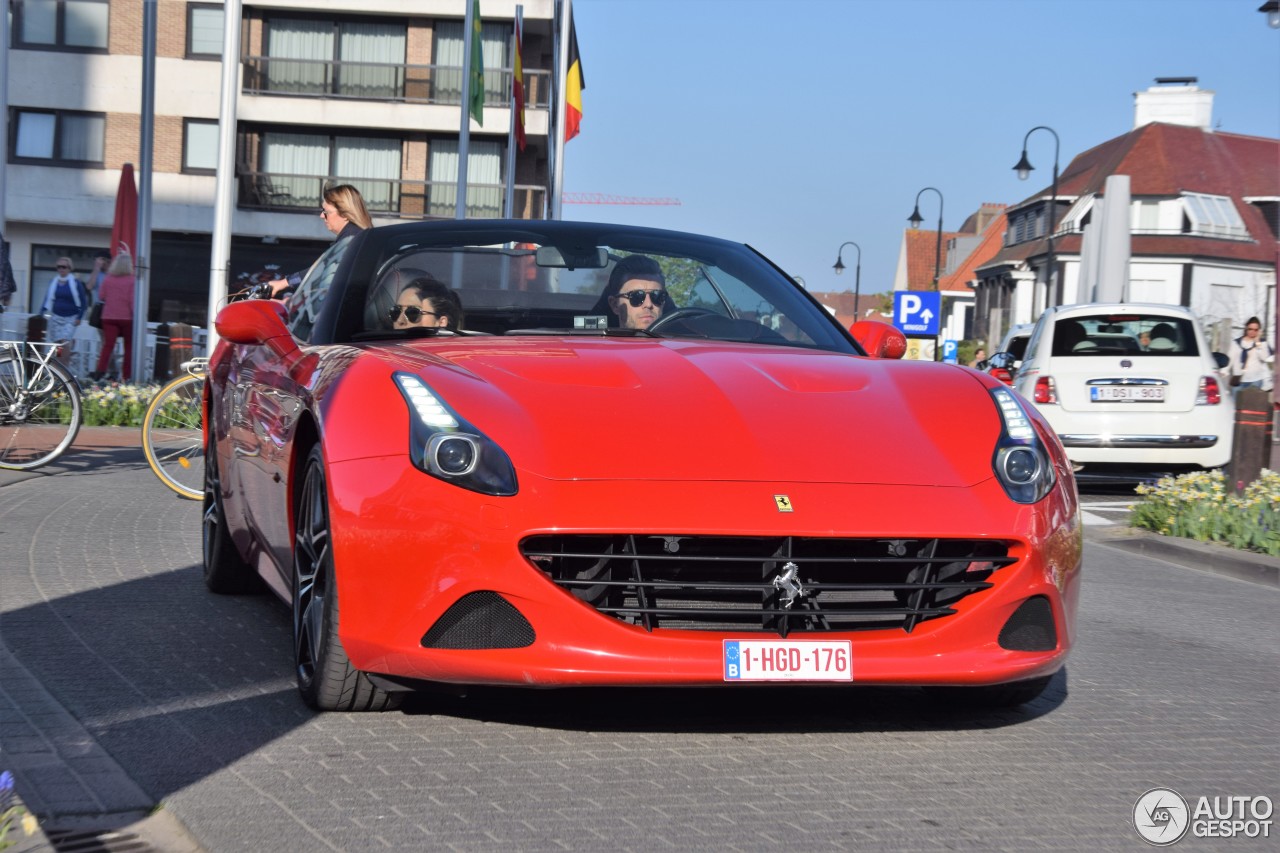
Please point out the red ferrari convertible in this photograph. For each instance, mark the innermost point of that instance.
(559, 453)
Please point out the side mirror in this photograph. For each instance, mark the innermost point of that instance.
(1221, 360)
(879, 339)
(1004, 360)
(260, 322)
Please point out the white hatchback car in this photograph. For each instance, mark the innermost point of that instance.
(1130, 389)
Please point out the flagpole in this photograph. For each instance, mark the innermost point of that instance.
(464, 133)
(224, 183)
(557, 138)
(142, 251)
(509, 202)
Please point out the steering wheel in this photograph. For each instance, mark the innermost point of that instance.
(678, 315)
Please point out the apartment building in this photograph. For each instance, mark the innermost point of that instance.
(366, 92)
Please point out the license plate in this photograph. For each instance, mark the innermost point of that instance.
(787, 660)
(1126, 393)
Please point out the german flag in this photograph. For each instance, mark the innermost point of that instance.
(573, 86)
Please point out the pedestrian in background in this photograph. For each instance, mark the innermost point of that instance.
(100, 263)
(116, 293)
(978, 357)
(64, 305)
(1251, 358)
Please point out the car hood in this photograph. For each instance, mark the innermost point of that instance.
(605, 408)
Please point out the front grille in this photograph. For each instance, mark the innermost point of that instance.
(767, 584)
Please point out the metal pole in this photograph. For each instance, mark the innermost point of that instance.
(509, 201)
(1023, 169)
(4, 110)
(142, 260)
(557, 130)
(464, 133)
(225, 183)
(857, 278)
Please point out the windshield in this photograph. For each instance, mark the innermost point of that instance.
(632, 282)
(1124, 334)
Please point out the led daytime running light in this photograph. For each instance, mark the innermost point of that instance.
(1016, 422)
(432, 412)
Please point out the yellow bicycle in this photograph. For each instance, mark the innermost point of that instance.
(172, 431)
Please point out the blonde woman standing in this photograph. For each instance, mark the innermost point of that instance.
(116, 294)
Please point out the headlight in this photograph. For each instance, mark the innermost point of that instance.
(1021, 462)
(444, 445)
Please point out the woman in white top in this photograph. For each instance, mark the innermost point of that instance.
(1251, 357)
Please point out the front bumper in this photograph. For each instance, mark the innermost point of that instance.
(408, 548)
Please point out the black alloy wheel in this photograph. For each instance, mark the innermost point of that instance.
(326, 678)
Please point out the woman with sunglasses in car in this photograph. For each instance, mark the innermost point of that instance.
(636, 293)
(344, 214)
(426, 302)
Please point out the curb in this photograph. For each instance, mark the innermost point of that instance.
(1190, 554)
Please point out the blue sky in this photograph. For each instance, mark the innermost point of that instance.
(795, 125)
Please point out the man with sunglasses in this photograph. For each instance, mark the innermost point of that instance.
(636, 292)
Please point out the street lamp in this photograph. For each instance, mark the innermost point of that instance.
(1024, 169)
(1272, 10)
(857, 278)
(915, 219)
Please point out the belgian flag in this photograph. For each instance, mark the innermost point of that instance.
(574, 84)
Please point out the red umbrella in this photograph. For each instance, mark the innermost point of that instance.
(124, 231)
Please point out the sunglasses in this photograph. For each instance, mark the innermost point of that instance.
(411, 313)
(636, 297)
(1253, 328)
(324, 213)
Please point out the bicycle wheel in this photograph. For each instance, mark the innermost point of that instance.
(172, 436)
(39, 412)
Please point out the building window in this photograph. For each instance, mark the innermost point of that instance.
(200, 146)
(57, 137)
(298, 165)
(349, 59)
(204, 32)
(61, 24)
(484, 179)
(1212, 216)
(449, 51)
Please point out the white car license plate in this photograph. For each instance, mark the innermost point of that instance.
(787, 660)
(1126, 393)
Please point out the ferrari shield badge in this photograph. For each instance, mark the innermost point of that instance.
(783, 502)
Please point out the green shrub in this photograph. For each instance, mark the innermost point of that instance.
(1197, 506)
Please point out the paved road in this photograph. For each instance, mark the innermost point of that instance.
(123, 684)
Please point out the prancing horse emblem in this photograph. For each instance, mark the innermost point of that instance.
(783, 502)
(788, 583)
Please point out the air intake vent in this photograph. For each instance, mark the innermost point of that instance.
(480, 620)
(1030, 628)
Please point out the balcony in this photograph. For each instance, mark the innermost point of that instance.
(401, 199)
(380, 81)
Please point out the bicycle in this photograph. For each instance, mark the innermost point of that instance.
(40, 413)
(173, 426)
(173, 432)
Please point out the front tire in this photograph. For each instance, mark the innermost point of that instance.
(326, 678)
